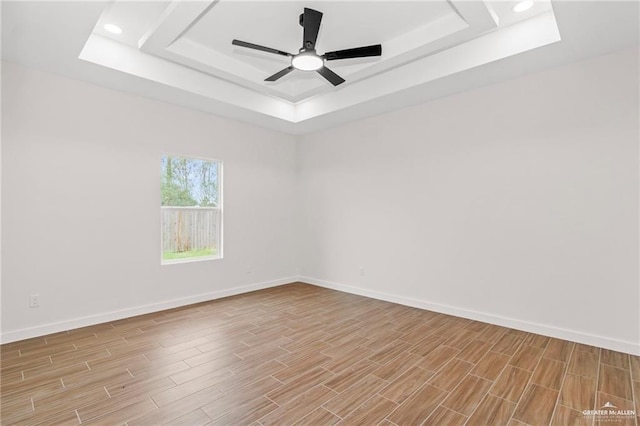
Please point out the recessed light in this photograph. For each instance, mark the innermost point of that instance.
(113, 28)
(522, 6)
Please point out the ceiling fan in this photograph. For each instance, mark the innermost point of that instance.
(307, 59)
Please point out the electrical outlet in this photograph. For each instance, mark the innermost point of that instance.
(362, 271)
(249, 270)
(34, 301)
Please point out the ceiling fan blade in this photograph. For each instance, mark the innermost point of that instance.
(311, 23)
(280, 74)
(258, 47)
(357, 52)
(331, 76)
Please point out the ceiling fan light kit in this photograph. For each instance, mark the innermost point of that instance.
(307, 61)
(307, 58)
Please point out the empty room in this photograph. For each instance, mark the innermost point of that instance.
(226, 212)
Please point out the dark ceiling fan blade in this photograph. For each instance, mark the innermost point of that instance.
(280, 74)
(311, 23)
(331, 76)
(258, 47)
(357, 52)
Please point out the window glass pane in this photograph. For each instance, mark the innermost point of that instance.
(189, 182)
(191, 211)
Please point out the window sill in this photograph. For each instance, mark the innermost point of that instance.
(189, 260)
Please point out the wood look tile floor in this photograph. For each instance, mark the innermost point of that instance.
(303, 355)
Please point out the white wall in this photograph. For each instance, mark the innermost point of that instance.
(80, 200)
(515, 204)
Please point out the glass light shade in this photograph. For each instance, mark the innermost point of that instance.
(307, 62)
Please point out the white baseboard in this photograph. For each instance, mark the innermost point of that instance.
(545, 330)
(42, 330)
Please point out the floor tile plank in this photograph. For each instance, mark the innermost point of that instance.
(615, 381)
(584, 363)
(549, 373)
(578, 392)
(511, 383)
(466, 397)
(353, 397)
(443, 416)
(401, 388)
(536, 406)
(418, 407)
(492, 411)
(371, 412)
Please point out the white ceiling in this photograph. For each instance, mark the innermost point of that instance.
(181, 52)
(198, 35)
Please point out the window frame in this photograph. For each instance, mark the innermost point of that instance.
(220, 208)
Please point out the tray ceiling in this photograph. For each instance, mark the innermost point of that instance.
(189, 37)
(181, 51)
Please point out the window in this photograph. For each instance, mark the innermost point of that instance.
(190, 209)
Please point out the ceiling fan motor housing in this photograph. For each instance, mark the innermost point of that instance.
(307, 44)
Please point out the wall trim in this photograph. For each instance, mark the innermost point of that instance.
(531, 327)
(56, 327)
